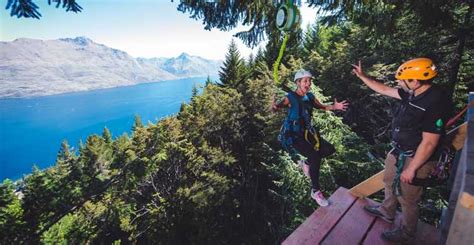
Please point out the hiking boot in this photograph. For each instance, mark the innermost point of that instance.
(319, 197)
(374, 211)
(304, 166)
(398, 235)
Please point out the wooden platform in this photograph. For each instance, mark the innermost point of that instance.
(345, 222)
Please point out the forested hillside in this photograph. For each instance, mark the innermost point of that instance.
(214, 173)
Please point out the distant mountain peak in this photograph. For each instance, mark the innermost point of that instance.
(24, 39)
(82, 40)
(184, 56)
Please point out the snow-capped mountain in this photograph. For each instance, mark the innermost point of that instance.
(30, 67)
(186, 65)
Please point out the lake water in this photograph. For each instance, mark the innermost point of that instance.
(32, 129)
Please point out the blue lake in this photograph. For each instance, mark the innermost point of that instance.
(32, 129)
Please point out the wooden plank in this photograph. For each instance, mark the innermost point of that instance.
(426, 234)
(316, 226)
(461, 230)
(351, 229)
(374, 235)
(369, 186)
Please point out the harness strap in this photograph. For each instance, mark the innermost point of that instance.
(300, 119)
(402, 156)
(307, 137)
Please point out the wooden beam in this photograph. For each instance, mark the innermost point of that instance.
(369, 186)
(467, 201)
(459, 136)
(461, 221)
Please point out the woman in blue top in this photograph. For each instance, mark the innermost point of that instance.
(298, 124)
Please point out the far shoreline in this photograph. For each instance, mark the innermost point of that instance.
(98, 89)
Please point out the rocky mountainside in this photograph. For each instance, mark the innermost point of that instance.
(30, 67)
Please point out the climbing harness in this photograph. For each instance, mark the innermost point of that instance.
(297, 121)
(298, 125)
(288, 16)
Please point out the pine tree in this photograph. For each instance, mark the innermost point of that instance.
(260, 56)
(12, 224)
(107, 135)
(226, 15)
(194, 91)
(311, 39)
(208, 81)
(233, 69)
(137, 123)
(28, 9)
(64, 153)
(250, 62)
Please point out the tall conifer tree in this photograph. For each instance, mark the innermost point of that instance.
(233, 69)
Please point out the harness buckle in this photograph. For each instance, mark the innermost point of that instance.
(398, 150)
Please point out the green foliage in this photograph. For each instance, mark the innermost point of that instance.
(226, 15)
(215, 173)
(28, 9)
(107, 136)
(137, 123)
(233, 70)
(72, 229)
(208, 81)
(12, 224)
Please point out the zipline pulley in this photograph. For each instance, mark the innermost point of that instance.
(288, 16)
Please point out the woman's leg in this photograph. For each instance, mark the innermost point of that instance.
(313, 160)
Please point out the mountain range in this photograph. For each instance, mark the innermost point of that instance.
(31, 67)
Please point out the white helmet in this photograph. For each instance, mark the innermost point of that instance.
(301, 74)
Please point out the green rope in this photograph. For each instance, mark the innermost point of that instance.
(276, 65)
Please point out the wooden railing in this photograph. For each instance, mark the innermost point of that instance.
(458, 221)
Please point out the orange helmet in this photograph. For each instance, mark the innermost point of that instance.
(419, 69)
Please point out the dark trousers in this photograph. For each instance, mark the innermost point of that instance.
(313, 160)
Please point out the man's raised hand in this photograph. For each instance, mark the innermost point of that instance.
(358, 70)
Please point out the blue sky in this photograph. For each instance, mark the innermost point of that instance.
(142, 28)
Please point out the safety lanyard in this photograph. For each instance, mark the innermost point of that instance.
(455, 118)
(276, 65)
